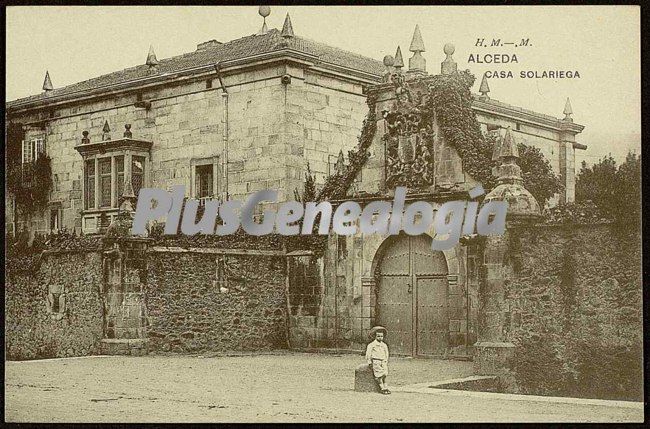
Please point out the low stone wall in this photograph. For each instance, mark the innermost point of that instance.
(573, 309)
(32, 329)
(196, 306)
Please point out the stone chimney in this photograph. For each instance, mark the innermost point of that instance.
(207, 45)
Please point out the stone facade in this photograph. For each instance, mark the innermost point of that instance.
(258, 121)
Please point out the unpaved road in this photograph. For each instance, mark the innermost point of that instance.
(282, 387)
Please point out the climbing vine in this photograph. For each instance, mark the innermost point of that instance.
(449, 102)
(336, 185)
(30, 183)
(451, 99)
(452, 102)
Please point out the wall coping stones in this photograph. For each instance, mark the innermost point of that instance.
(161, 249)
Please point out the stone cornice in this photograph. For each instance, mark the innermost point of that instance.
(527, 116)
(106, 146)
(227, 68)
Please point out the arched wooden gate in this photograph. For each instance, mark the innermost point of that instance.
(412, 301)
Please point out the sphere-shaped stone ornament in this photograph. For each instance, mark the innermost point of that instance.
(264, 11)
(449, 49)
(389, 61)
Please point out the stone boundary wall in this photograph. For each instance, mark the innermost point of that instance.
(573, 309)
(34, 329)
(209, 302)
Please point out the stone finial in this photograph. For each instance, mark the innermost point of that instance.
(85, 139)
(507, 152)
(568, 111)
(339, 167)
(508, 147)
(485, 88)
(417, 63)
(417, 44)
(106, 132)
(152, 61)
(399, 61)
(47, 83)
(510, 185)
(449, 66)
(264, 11)
(389, 62)
(128, 196)
(127, 131)
(287, 28)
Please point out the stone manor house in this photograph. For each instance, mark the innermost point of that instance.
(232, 118)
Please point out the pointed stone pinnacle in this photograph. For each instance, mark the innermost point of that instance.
(508, 147)
(399, 61)
(485, 88)
(417, 44)
(106, 132)
(567, 110)
(151, 57)
(287, 28)
(47, 83)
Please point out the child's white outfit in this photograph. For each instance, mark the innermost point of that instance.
(377, 356)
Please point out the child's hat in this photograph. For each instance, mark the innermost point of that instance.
(374, 330)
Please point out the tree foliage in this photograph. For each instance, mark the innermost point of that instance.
(616, 191)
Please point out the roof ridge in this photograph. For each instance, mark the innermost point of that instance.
(242, 47)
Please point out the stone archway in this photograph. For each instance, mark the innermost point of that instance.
(412, 296)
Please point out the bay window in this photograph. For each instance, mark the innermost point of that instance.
(107, 167)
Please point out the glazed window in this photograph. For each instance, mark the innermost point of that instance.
(204, 181)
(104, 180)
(89, 184)
(32, 149)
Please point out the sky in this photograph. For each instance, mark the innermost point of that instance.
(602, 43)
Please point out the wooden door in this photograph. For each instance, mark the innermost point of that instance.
(412, 300)
(395, 298)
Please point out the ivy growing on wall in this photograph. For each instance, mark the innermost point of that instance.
(450, 102)
(30, 183)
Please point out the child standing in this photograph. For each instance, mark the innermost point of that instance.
(377, 357)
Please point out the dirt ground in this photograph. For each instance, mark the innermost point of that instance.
(277, 387)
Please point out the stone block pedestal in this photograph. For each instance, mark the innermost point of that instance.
(364, 381)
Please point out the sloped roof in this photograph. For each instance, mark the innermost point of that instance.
(233, 50)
